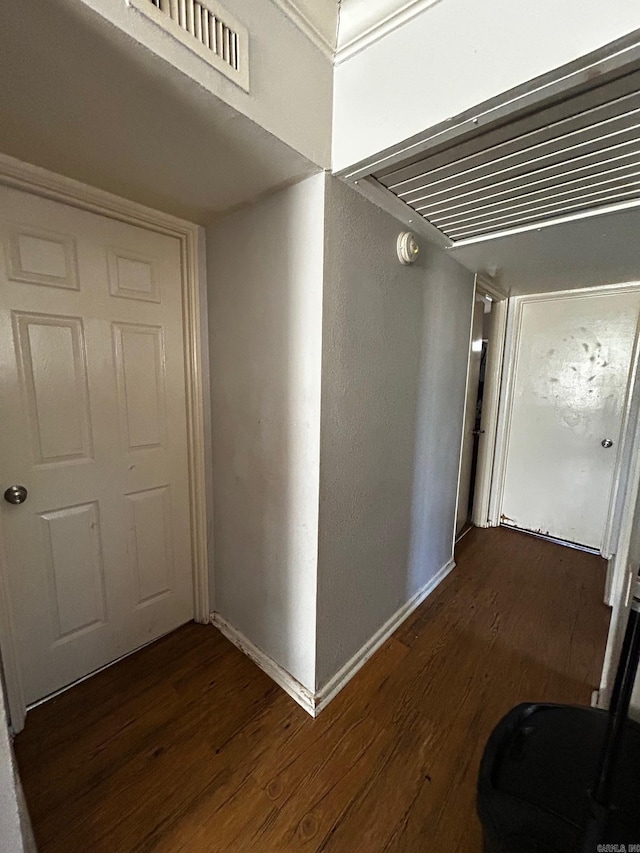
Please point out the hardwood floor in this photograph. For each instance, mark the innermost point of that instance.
(187, 746)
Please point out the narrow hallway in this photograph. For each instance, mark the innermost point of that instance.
(186, 745)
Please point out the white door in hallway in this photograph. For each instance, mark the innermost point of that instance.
(570, 383)
(94, 427)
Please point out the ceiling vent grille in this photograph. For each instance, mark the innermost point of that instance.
(579, 154)
(206, 29)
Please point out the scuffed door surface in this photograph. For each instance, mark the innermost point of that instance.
(571, 373)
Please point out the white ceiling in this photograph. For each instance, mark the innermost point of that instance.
(596, 250)
(80, 98)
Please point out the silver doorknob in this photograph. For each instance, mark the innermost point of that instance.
(606, 442)
(16, 495)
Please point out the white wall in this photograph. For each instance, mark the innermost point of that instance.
(81, 99)
(291, 79)
(320, 16)
(458, 53)
(328, 518)
(265, 320)
(15, 829)
(395, 347)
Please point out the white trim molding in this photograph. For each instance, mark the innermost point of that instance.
(363, 22)
(622, 568)
(383, 198)
(491, 286)
(301, 694)
(313, 703)
(312, 29)
(360, 24)
(335, 684)
(490, 404)
(465, 414)
(40, 182)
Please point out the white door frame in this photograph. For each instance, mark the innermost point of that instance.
(458, 535)
(40, 182)
(490, 402)
(622, 572)
(514, 328)
(486, 286)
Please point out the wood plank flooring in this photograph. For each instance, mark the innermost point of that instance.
(187, 746)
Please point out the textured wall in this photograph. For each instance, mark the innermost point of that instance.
(395, 347)
(265, 310)
(308, 274)
(15, 828)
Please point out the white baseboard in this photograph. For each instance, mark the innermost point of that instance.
(284, 679)
(346, 673)
(314, 703)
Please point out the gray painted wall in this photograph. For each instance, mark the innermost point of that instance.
(395, 349)
(338, 390)
(265, 320)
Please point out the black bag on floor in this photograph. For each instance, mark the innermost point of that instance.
(562, 779)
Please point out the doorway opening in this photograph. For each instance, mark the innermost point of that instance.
(486, 350)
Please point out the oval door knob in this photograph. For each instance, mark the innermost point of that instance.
(606, 442)
(15, 495)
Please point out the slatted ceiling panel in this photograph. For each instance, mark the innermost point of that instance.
(517, 155)
(588, 98)
(567, 193)
(563, 152)
(538, 144)
(539, 214)
(505, 191)
(524, 188)
(528, 175)
(578, 154)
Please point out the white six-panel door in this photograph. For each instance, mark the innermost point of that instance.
(571, 372)
(94, 426)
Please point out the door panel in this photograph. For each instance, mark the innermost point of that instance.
(75, 568)
(39, 256)
(150, 554)
(569, 390)
(94, 425)
(54, 378)
(140, 358)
